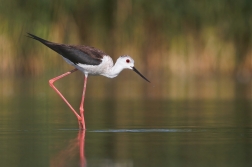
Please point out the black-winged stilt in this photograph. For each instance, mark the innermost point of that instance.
(90, 61)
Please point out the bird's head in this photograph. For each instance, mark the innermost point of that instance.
(126, 62)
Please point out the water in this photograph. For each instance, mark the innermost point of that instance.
(37, 129)
(175, 133)
(128, 147)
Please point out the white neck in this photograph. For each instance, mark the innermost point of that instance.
(114, 71)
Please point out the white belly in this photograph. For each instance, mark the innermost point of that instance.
(101, 69)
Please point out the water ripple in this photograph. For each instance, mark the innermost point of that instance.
(140, 130)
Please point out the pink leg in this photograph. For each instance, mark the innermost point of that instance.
(82, 102)
(51, 81)
(81, 139)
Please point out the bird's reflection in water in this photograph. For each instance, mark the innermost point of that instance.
(81, 139)
(67, 156)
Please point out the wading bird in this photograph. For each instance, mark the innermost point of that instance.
(90, 61)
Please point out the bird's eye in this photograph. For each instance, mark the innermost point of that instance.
(127, 61)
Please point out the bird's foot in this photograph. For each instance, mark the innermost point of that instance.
(82, 125)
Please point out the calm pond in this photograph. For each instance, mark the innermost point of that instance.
(37, 131)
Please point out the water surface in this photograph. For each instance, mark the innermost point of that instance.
(153, 133)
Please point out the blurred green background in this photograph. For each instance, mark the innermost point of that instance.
(196, 53)
(188, 49)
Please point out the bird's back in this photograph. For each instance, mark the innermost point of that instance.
(74, 53)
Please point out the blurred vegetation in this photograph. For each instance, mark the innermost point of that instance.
(188, 49)
(167, 38)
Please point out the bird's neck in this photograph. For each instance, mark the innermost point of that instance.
(114, 71)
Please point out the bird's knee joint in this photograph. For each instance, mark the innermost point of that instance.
(51, 82)
(81, 110)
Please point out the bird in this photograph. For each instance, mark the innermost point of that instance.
(90, 61)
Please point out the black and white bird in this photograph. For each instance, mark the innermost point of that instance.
(90, 61)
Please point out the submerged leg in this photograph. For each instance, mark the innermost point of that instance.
(51, 81)
(82, 102)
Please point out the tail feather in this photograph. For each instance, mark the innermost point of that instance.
(54, 46)
(37, 38)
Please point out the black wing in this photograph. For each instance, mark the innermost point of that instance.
(76, 54)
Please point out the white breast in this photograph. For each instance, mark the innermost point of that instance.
(102, 68)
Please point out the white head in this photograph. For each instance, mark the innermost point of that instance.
(126, 62)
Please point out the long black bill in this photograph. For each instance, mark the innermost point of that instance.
(134, 69)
